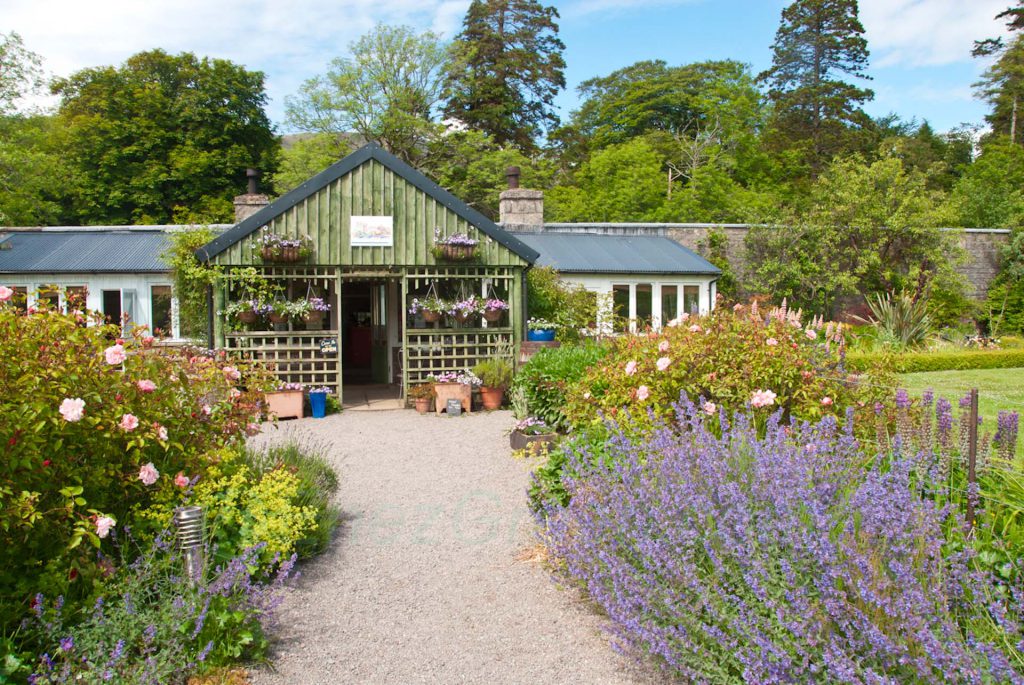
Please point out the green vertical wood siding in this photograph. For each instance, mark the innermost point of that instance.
(372, 189)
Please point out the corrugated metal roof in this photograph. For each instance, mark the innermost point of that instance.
(83, 251)
(593, 253)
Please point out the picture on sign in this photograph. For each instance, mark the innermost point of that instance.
(374, 231)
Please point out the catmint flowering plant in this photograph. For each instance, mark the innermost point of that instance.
(737, 554)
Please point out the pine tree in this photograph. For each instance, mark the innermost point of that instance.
(507, 68)
(1002, 84)
(817, 43)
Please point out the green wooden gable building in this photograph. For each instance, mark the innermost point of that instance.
(367, 239)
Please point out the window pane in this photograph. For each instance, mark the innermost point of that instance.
(160, 304)
(620, 306)
(644, 305)
(112, 306)
(669, 303)
(691, 299)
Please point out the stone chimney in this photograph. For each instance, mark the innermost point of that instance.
(252, 202)
(520, 209)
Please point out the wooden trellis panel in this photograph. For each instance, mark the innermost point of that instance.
(433, 351)
(294, 356)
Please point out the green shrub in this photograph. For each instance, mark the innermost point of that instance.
(724, 358)
(494, 373)
(546, 376)
(912, 362)
(900, 320)
(572, 307)
(87, 422)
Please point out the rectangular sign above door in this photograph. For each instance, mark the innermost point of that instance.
(372, 231)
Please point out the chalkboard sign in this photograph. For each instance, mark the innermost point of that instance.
(454, 407)
(329, 347)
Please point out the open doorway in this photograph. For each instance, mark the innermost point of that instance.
(371, 341)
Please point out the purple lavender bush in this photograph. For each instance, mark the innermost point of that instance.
(779, 559)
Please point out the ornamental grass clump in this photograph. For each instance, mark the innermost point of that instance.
(733, 557)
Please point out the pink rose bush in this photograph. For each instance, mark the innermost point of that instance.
(181, 480)
(732, 359)
(79, 443)
(5, 293)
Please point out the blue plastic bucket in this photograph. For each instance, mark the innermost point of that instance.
(318, 404)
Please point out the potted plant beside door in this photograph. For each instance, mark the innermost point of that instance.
(286, 401)
(495, 376)
(422, 395)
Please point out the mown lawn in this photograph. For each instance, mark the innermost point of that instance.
(998, 389)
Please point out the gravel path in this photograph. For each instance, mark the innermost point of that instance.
(431, 579)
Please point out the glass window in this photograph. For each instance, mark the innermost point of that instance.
(644, 305)
(160, 310)
(112, 306)
(691, 299)
(669, 303)
(620, 307)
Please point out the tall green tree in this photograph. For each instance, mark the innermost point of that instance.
(388, 91)
(819, 42)
(507, 68)
(163, 134)
(1002, 83)
(869, 227)
(20, 72)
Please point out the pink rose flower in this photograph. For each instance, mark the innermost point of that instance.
(161, 433)
(146, 386)
(181, 480)
(811, 334)
(694, 328)
(762, 398)
(736, 307)
(207, 410)
(115, 354)
(663, 346)
(709, 408)
(148, 474)
(826, 401)
(231, 373)
(771, 342)
(72, 409)
(103, 526)
(663, 363)
(147, 341)
(235, 393)
(630, 368)
(643, 392)
(5, 293)
(129, 422)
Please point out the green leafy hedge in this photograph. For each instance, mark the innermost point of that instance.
(912, 362)
(549, 373)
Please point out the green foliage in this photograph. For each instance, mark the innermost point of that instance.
(20, 72)
(867, 227)
(716, 250)
(506, 70)
(191, 279)
(571, 307)
(815, 112)
(162, 132)
(900, 320)
(62, 471)
(32, 171)
(386, 92)
(494, 373)
(1002, 86)
(913, 362)
(989, 194)
(306, 156)
(547, 376)
(800, 365)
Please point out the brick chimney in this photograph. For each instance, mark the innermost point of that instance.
(520, 209)
(252, 202)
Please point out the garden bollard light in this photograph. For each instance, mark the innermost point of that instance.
(189, 522)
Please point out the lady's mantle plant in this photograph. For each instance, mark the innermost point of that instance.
(779, 559)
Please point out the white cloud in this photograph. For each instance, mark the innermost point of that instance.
(913, 33)
(582, 8)
(289, 41)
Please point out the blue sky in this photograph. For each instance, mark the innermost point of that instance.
(920, 49)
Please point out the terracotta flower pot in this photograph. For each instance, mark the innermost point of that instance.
(423, 404)
(285, 404)
(491, 397)
(454, 391)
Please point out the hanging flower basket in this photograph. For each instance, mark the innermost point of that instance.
(277, 249)
(493, 315)
(248, 316)
(458, 253)
(454, 248)
(314, 318)
(278, 318)
(431, 317)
